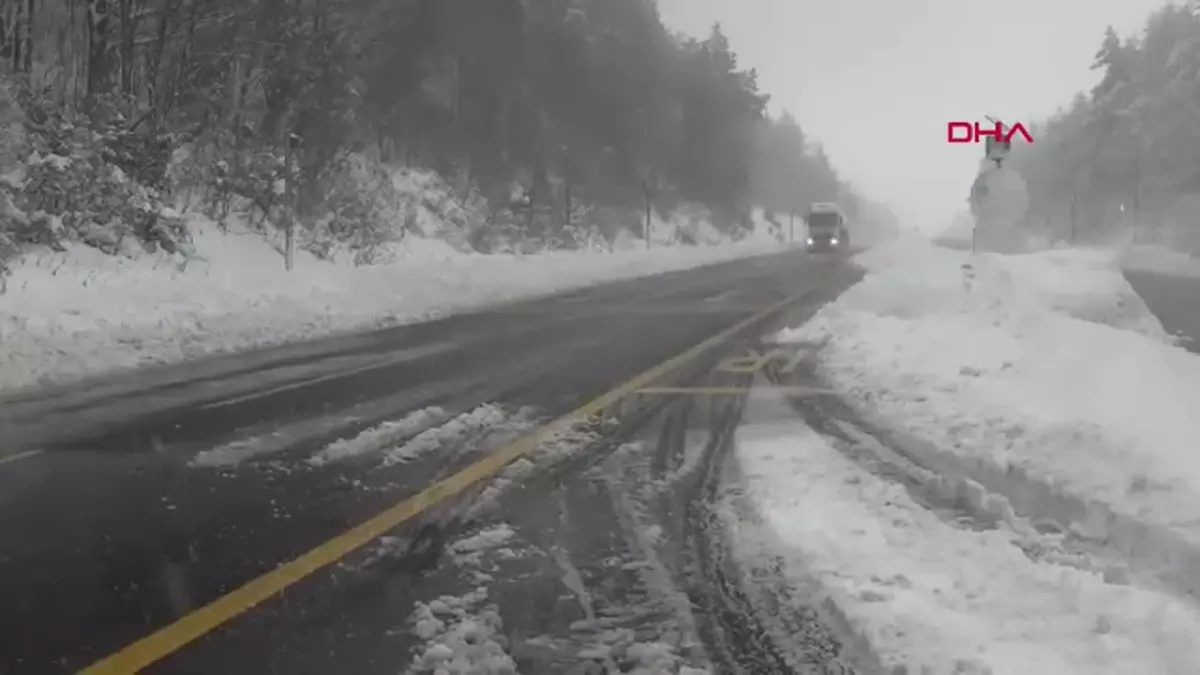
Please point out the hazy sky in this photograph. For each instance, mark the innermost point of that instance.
(875, 81)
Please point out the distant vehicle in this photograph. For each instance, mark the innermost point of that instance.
(828, 229)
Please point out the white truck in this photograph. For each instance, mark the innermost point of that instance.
(828, 227)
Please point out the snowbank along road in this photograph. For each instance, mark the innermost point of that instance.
(336, 505)
(1005, 482)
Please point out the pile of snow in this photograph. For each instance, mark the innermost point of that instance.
(921, 594)
(469, 551)
(912, 279)
(80, 312)
(386, 434)
(1042, 377)
(481, 420)
(462, 635)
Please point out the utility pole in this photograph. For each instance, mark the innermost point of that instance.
(527, 200)
(646, 191)
(1085, 174)
(291, 142)
(644, 113)
(1137, 191)
(1074, 211)
(567, 204)
(569, 175)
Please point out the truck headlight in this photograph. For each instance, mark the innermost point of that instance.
(808, 241)
(833, 241)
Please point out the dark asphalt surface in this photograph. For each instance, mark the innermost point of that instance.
(614, 549)
(111, 533)
(1175, 300)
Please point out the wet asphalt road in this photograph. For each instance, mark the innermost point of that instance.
(111, 533)
(616, 548)
(1175, 300)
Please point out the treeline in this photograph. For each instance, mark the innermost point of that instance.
(1125, 157)
(589, 110)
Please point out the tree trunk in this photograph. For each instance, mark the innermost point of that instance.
(128, 31)
(99, 66)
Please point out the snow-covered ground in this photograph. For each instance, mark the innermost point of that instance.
(80, 312)
(466, 635)
(1043, 387)
(934, 597)
(484, 630)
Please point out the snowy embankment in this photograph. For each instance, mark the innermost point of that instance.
(81, 312)
(1037, 393)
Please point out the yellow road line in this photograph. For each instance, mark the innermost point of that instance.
(795, 390)
(16, 456)
(171, 638)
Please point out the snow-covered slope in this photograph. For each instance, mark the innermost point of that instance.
(922, 593)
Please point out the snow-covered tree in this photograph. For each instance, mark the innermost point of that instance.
(1121, 158)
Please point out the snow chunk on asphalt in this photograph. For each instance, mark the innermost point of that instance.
(470, 550)
(1043, 368)
(933, 598)
(462, 636)
(620, 652)
(378, 437)
(467, 424)
(485, 539)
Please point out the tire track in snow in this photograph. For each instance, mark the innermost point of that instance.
(738, 640)
(963, 502)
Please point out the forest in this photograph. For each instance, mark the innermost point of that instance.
(546, 119)
(1121, 159)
